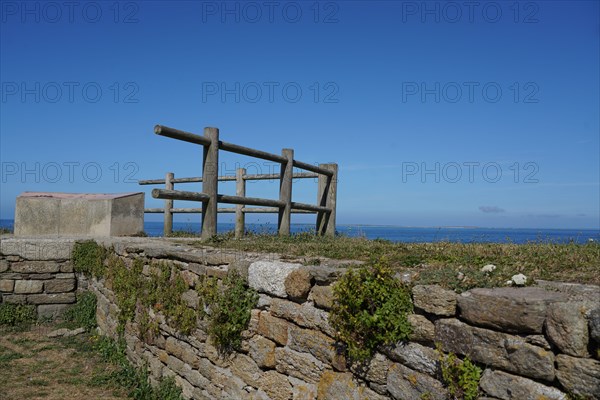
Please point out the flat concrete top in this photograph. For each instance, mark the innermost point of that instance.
(87, 196)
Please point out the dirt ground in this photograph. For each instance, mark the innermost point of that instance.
(33, 366)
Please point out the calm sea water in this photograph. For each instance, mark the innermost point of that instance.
(405, 234)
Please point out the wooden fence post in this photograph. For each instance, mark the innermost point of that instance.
(326, 197)
(240, 190)
(168, 224)
(285, 192)
(210, 183)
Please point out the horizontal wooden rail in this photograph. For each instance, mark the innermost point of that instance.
(310, 207)
(228, 210)
(178, 195)
(256, 177)
(236, 148)
(248, 201)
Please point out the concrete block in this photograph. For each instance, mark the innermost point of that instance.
(69, 214)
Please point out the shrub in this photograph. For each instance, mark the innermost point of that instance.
(88, 258)
(16, 314)
(83, 313)
(460, 377)
(370, 309)
(229, 309)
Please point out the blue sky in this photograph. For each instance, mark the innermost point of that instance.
(437, 113)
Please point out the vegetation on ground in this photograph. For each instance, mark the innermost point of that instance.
(17, 315)
(453, 265)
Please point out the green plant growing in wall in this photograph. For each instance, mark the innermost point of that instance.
(88, 258)
(83, 312)
(228, 308)
(16, 314)
(460, 377)
(370, 309)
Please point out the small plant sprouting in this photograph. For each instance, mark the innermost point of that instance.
(460, 377)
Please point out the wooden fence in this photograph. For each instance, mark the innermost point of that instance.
(210, 197)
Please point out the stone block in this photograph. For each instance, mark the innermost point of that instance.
(68, 214)
(580, 376)
(59, 285)
(246, 369)
(434, 299)
(269, 276)
(27, 287)
(51, 311)
(299, 365)
(273, 328)
(415, 356)
(7, 285)
(275, 385)
(3, 266)
(318, 344)
(37, 249)
(521, 310)
(262, 351)
(303, 314)
(36, 267)
(567, 327)
(496, 349)
(404, 383)
(322, 296)
(504, 386)
(423, 330)
(55, 298)
(297, 284)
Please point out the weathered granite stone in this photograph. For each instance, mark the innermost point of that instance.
(35, 267)
(273, 328)
(14, 298)
(7, 285)
(275, 385)
(182, 351)
(64, 332)
(497, 349)
(434, 299)
(335, 385)
(269, 276)
(298, 283)
(190, 298)
(423, 330)
(377, 371)
(322, 296)
(567, 327)
(51, 310)
(3, 266)
(54, 298)
(66, 267)
(508, 309)
(59, 285)
(300, 365)
(580, 376)
(594, 324)
(302, 390)
(415, 356)
(319, 345)
(405, 384)
(505, 386)
(538, 340)
(189, 278)
(241, 267)
(302, 314)
(573, 291)
(245, 368)
(37, 249)
(27, 287)
(262, 351)
(325, 275)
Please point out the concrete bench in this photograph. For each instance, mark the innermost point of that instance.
(73, 214)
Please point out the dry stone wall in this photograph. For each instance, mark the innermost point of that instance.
(537, 342)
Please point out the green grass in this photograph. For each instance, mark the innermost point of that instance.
(439, 262)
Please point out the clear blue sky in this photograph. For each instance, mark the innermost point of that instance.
(437, 113)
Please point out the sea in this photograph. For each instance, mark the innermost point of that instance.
(403, 233)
